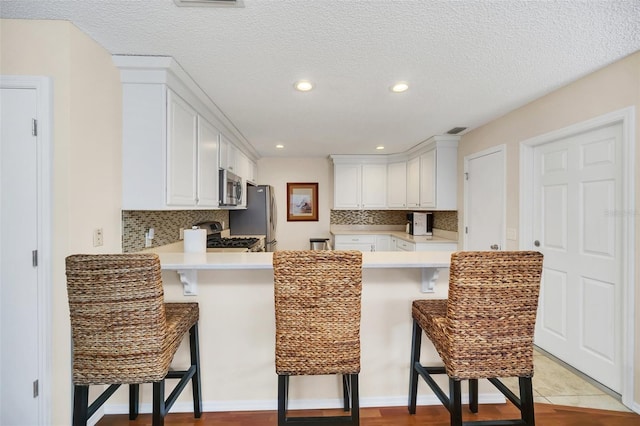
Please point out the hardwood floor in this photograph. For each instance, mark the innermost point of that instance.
(546, 415)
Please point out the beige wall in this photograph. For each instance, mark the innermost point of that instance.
(86, 165)
(277, 172)
(609, 89)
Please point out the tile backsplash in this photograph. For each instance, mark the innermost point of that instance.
(445, 220)
(166, 225)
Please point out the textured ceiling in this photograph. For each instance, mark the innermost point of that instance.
(467, 62)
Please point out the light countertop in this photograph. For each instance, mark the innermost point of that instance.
(264, 260)
(395, 233)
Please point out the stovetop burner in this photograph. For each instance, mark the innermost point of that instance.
(215, 241)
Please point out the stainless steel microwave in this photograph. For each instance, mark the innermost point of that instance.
(230, 191)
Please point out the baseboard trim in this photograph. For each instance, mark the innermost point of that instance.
(302, 404)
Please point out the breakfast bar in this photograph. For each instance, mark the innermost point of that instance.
(187, 265)
(237, 332)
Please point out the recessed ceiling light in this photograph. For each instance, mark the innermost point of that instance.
(280, 146)
(379, 147)
(399, 87)
(303, 85)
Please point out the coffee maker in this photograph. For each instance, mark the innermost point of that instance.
(420, 223)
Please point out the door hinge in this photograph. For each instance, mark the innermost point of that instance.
(35, 388)
(34, 258)
(466, 229)
(34, 127)
(466, 176)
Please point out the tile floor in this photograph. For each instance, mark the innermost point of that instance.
(555, 384)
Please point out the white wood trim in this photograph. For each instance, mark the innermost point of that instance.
(44, 100)
(491, 150)
(626, 117)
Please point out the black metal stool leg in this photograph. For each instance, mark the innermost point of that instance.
(526, 401)
(455, 402)
(283, 389)
(416, 341)
(158, 403)
(80, 405)
(194, 346)
(346, 391)
(473, 395)
(134, 398)
(355, 400)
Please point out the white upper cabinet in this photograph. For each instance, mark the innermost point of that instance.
(428, 178)
(439, 176)
(359, 185)
(413, 183)
(228, 155)
(397, 185)
(182, 146)
(374, 186)
(171, 137)
(347, 186)
(208, 139)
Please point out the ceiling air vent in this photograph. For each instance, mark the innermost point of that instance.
(209, 3)
(456, 130)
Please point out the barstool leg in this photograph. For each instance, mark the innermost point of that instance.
(473, 395)
(346, 392)
(158, 403)
(134, 398)
(283, 390)
(355, 400)
(455, 402)
(526, 401)
(80, 405)
(194, 345)
(416, 341)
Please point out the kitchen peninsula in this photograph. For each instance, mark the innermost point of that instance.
(237, 328)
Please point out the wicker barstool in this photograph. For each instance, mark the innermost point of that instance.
(484, 330)
(317, 307)
(124, 333)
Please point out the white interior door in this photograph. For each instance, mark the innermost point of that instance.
(19, 336)
(576, 197)
(484, 192)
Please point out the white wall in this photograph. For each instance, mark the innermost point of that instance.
(277, 172)
(87, 129)
(609, 89)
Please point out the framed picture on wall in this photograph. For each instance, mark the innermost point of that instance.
(302, 201)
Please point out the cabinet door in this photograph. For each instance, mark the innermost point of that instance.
(374, 186)
(413, 182)
(397, 184)
(347, 180)
(181, 152)
(436, 247)
(428, 179)
(403, 245)
(207, 164)
(383, 243)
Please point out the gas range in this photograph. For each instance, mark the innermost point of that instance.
(215, 240)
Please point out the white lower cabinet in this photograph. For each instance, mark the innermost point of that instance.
(383, 243)
(355, 242)
(436, 246)
(402, 245)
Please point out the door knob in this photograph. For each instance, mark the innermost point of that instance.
(494, 247)
(536, 243)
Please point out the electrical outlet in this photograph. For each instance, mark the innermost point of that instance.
(98, 239)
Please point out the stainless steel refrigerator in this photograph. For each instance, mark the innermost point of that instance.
(260, 217)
